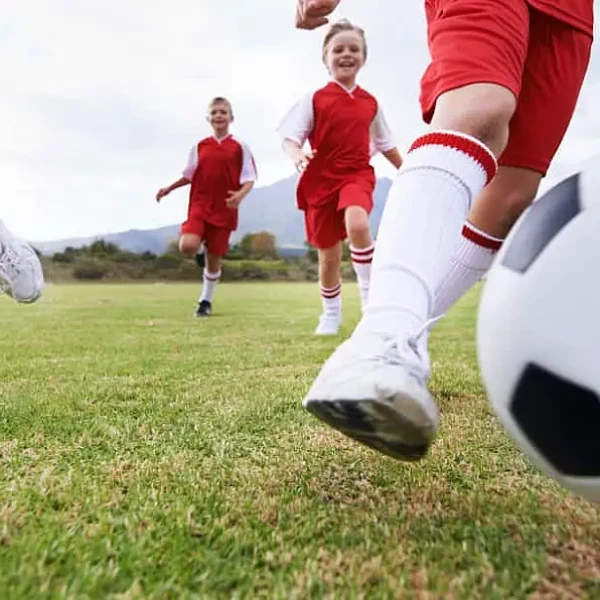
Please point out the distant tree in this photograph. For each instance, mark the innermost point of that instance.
(173, 247)
(102, 248)
(89, 270)
(263, 245)
(63, 257)
(245, 245)
(148, 256)
(234, 253)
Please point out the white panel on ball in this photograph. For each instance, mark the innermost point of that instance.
(547, 314)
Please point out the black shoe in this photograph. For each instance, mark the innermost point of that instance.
(204, 309)
(200, 259)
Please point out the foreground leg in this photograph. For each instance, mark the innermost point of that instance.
(374, 387)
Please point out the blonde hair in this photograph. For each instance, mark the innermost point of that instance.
(221, 100)
(338, 27)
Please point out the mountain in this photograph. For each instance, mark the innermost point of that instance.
(271, 208)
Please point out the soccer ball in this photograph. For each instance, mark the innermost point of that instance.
(538, 333)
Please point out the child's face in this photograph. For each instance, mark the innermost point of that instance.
(219, 116)
(345, 55)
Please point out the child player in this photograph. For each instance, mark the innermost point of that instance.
(221, 171)
(345, 127)
(499, 96)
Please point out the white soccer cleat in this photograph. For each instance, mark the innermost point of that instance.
(374, 390)
(21, 275)
(328, 324)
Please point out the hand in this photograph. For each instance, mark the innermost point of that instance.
(162, 193)
(233, 199)
(311, 14)
(302, 158)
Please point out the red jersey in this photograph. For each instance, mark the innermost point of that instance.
(576, 13)
(345, 128)
(214, 168)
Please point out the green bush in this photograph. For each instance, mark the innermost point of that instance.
(90, 271)
(63, 257)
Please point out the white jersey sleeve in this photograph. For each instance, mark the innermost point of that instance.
(248, 172)
(191, 165)
(381, 135)
(298, 122)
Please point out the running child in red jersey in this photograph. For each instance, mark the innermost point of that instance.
(221, 171)
(499, 93)
(345, 127)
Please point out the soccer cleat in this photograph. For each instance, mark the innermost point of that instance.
(373, 389)
(200, 259)
(21, 275)
(328, 324)
(204, 309)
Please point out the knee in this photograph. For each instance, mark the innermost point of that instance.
(357, 225)
(483, 111)
(358, 229)
(188, 247)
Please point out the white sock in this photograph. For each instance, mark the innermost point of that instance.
(332, 300)
(472, 257)
(209, 283)
(361, 261)
(421, 223)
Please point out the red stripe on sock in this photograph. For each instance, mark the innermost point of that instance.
(476, 151)
(331, 296)
(480, 238)
(363, 260)
(362, 251)
(212, 277)
(333, 292)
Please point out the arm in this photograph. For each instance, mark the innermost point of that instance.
(188, 173)
(291, 148)
(294, 129)
(394, 157)
(248, 177)
(311, 14)
(245, 189)
(382, 140)
(299, 157)
(234, 198)
(167, 190)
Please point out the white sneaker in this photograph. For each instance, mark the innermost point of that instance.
(374, 390)
(21, 275)
(328, 324)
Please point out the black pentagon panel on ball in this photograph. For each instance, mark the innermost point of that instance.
(561, 419)
(546, 217)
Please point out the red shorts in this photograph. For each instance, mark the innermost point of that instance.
(540, 59)
(325, 225)
(215, 239)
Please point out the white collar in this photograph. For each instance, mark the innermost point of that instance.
(350, 91)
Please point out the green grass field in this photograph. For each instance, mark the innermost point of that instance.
(146, 454)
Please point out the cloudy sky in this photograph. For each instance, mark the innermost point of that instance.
(101, 100)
